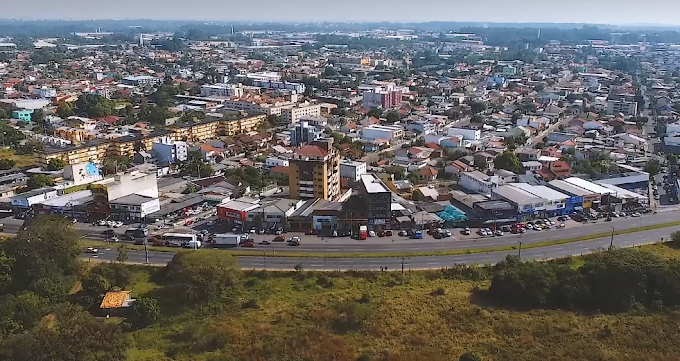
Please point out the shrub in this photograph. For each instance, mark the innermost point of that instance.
(439, 291)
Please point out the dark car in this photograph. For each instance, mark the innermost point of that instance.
(389, 233)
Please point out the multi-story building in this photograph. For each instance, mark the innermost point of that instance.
(293, 114)
(96, 150)
(387, 132)
(141, 80)
(378, 199)
(169, 151)
(478, 182)
(304, 133)
(315, 172)
(221, 90)
(385, 99)
(627, 108)
(45, 92)
(352, 169)
(269, 84)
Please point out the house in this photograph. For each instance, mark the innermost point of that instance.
(457, 167)
(116, 302)
(427, 174)
(484, 161)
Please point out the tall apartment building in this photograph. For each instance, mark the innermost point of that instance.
(304, 133)
(293, 114)
(314, 172)
(384, 99)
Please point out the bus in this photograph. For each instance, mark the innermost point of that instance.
(178, 239)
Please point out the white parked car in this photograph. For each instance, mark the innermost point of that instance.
(371, 233)
(91, 250)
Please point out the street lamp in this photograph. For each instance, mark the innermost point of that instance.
(611, 242)
(264, 257)
(519, 253)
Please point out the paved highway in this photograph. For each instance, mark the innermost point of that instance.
(427, 262)
(403, 244)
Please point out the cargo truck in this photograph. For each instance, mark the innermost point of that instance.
(226, 240)
(363, 232)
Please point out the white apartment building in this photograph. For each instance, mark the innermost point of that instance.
(170, 151)
(272, 162)
(387, 132)
(264, 76)
(221, 90)
(293, 114)
(467, 134)
(478, 182)
(621, 106)
(352, 170)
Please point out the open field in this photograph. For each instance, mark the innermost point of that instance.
(21, 160)
(433, 315)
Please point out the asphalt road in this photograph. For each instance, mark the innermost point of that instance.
(404, 244)
(426, 262)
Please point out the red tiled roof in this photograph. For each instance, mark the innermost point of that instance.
(427, 171)
(280, 169)
(433, 145)
(545, 173)
(311, 151)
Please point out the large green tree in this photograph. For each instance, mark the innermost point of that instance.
(94, 106)
(508, 161)
(39, 180)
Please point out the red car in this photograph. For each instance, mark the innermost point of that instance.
(280, 239)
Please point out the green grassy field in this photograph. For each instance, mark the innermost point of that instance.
(20, 160)
(432, 316)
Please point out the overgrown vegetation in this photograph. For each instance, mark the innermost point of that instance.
(203, 307)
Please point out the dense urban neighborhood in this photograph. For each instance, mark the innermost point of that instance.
(348, 147)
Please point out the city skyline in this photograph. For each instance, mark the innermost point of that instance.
(492, 11)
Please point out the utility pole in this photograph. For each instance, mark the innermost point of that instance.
(264, 257)
(519, 254)
(611, 242)
(146, 250)
(402, 269)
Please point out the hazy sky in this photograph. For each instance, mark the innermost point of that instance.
(575, 11)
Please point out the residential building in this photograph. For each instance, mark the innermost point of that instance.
(627, 108)
(467, 134)
(303, 133)
(384, 99)
(44, 92)
(141, 80)
(478, 182)
(272, 162)
(167, 150)
(391, 133)
(24, 114)
(293, 114)
(352, 169)
(427, 174)
(378, 199)
(315, 171)
(221, 90)
(271, 84)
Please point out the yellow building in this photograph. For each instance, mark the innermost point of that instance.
(314, 172)
(97, 150)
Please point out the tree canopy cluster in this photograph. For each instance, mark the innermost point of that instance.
(616, 281)
(37, 270)
(95, 106)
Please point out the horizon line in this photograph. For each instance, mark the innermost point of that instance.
(288, 22)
